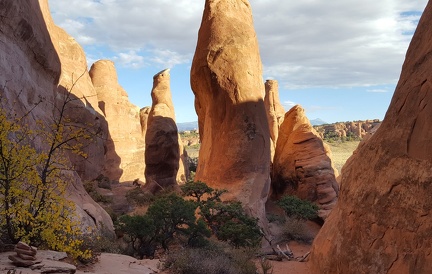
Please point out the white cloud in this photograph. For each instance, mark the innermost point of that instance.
(288, 104)
(312, 43)
(130, 59)
(378, 90)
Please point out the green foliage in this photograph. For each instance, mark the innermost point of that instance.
(139, 197)
(91, 189)
(33, 183)
(297, 208)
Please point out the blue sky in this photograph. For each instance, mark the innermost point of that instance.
(339, 59)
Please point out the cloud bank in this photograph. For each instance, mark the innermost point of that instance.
(303, 44)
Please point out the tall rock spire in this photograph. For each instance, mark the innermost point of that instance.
(226, 78)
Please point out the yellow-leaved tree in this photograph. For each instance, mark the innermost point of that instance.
(33, 182)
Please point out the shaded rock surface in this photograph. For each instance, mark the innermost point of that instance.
(31, 70)
(382, 221)
(302, 163)
(274, 109)
(124, 149)
(226, 78)
(164, 154)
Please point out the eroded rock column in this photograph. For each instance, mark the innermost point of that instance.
(163, 149)
(274, 109)
(226, 78)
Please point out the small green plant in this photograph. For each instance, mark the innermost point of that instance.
(297, 208)
(139, 197)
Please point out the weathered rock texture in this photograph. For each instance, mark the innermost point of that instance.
(226, 78)
(357, 129)
(164, 154)
(382, 222)
(274, 109)
(31, 69)
(302, 164)
(124, 149)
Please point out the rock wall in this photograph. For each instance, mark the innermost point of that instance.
(164, 153)
(226, 78)
(274, 109)
(124, 149)
(31, 70)
(302, 164)
(382, 222)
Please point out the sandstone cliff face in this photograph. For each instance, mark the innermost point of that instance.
(31, 68)
(382, 222)
(226, 78)
(124, 149)
(164, 153)
(83, 109)
(302, 164)
(274, 109)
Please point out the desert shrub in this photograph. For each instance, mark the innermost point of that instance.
(297, 208)
(211, 260)
(168, 217)
(103, 182)
(90, 187)
(33, 182)
(139, 197)
(297, 229)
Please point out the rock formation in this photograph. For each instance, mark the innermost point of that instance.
(382, 221)
(164, 154)
(226, 78)
(357, 129)
(302, 164)
(124, 149)
(31, 69)
(25, 255)
(275, 111)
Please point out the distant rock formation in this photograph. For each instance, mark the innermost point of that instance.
(382, 222)
(226, 78)
(302, 164)
(124, 149)
(163, 149)
(31, 70)
(274, 109)
(356, 129)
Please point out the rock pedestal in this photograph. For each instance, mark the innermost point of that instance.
(163, 149)
(275, 111)
(226, 78)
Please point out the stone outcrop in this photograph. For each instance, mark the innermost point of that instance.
(302, 164)
(164, 154)
(382, 222)
(31, 70)
(274, 109)
(226, 78)
(124, 149)
(356, 129)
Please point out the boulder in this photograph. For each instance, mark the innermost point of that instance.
(31, 70)
(302, 164)
(226, 78)
(164, 151)
(274, 109)
(382, 222)
(124, 149)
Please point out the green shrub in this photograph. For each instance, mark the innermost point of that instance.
(297, 208)
(139, 197)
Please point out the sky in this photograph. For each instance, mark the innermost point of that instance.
(339, 59)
